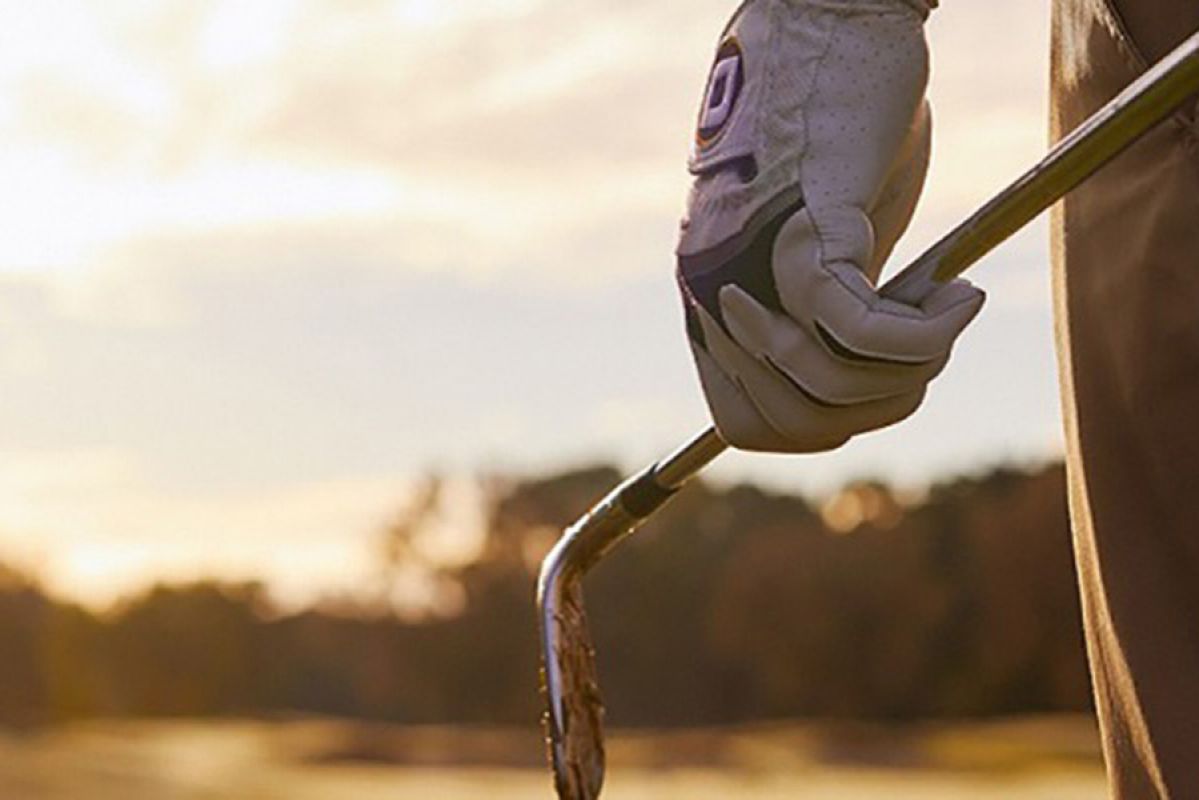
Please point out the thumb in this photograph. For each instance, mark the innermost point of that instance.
(845, 235)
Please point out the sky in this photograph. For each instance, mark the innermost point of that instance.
(266, 264)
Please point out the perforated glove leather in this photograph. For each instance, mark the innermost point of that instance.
(811, 149)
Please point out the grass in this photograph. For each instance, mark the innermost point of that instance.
(1041, 759)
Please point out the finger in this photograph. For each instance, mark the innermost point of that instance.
(858, 324)
(786, 409)
(734, 414)
(806, 425)
(951, 295)
(812, 428)
(808, 362)
(853, 320)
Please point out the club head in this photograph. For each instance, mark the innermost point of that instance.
(574, 715)
(574, 708)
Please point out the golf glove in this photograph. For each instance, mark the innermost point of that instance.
(810, 154)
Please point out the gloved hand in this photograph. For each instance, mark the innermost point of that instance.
(810, 154)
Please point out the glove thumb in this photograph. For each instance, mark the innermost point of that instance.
(844, 235)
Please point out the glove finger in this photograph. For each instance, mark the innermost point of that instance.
(811, 428)
(950, 295)
(808, 426)
(794, 416)
(734, 414)
(854, 321)
(859, 325)
(807, 362)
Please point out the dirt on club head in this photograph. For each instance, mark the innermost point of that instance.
(582, 775)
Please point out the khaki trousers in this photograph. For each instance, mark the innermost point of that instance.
(1126, 280)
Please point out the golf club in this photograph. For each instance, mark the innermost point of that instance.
(574, 710)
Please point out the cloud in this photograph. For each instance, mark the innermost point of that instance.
(514, 124)
(483, 137)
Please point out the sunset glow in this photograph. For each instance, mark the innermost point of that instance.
(265, 264)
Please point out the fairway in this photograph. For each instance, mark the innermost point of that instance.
(1041, 759)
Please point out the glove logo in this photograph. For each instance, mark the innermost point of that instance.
(724, 88)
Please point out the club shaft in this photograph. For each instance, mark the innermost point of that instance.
(1106, 134)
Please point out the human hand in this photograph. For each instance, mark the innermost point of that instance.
(810, 155)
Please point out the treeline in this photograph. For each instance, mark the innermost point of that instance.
(733, 604)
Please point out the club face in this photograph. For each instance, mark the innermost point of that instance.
(574, 715)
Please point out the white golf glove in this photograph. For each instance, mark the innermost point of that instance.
(810, 154)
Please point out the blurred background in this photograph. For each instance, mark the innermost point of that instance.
(319, 320)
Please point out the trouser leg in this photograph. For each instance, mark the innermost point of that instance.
(1126, 252)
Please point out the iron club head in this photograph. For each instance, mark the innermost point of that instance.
(574, 707)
